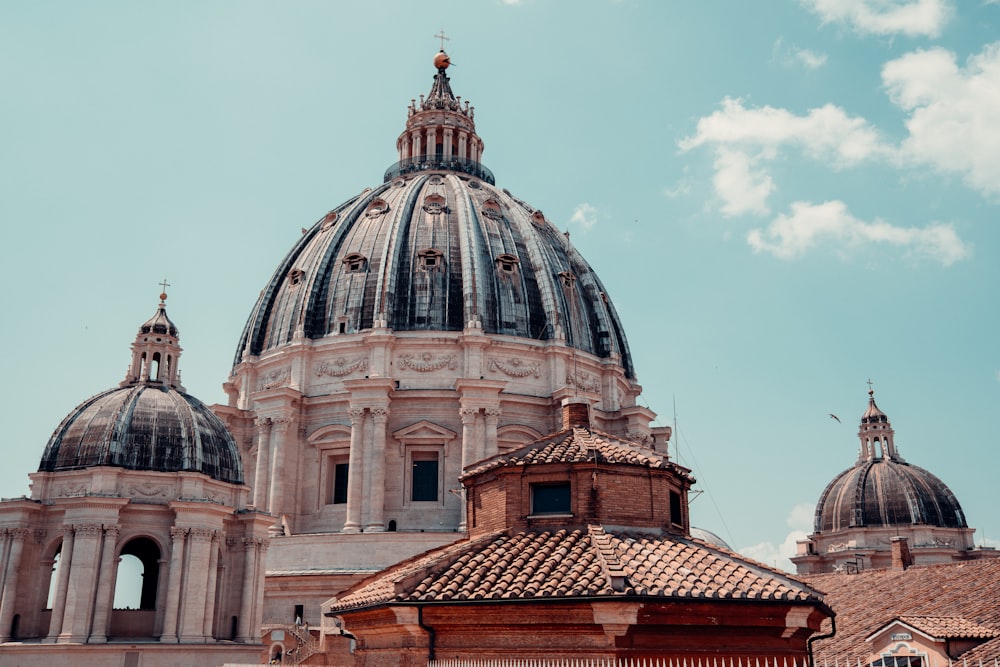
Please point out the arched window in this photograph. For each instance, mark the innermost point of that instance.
(138, 575)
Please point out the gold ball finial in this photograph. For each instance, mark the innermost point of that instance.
(442, 60)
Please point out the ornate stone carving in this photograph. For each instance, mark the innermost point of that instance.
(231, 542)
(279, 377)
(356, 415)
(341, 367)
(639, 437)
(39, 535)
(427, 362)
(380, 413)
(148, 490)
(19, 533)
(583, 381)
(112, 532)
(178, 534)
(202, 534)
(468, 415)
(87, 529)
(70, 490)
(515, 368)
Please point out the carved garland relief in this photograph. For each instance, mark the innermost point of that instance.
(515, 368)
(341, 367)
(427, 362)
(279, 377)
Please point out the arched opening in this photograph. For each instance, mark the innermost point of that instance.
(141, 575)
(54, 578)
(136, 586)
(154, 367)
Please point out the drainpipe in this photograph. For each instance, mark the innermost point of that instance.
(809, 642)
(430, 633)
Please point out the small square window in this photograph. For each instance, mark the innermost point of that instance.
(675, 509)
(550, 498)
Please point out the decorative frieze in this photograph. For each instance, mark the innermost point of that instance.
(639, 437)
(341, 367)
(583, 381)
(70, 490)
(87, 529)
(515, 368)
(427, 362)
(279, 377)
(147, 490)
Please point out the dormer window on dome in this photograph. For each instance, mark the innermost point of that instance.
(491, 209)
(377, 207)
(507, 263)
(355, 263)
(568, 279)
(435, 204)
(295, 276)
(431, 259)
(328, 220)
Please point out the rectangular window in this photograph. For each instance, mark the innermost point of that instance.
(337, 472)
(550, 498)
(424, 479)
(676, 517)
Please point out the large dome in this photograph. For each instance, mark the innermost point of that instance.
(884, 490)
(148, 422)
(436, 247)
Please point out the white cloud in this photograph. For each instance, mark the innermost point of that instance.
(826, 133)
(743, 187)
(952, 112)
(584, 216)
(810, 225)
(793, 55)
(800, 520)
(914, 18)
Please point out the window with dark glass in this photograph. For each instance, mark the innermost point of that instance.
(338, 496)
(675, 509)
(424, 479)
(550, 498)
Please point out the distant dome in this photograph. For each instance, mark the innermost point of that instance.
(148, 422)
(884, 490)
(710, 537)
(144, 427)
(436, 247)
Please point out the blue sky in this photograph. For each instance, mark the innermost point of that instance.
(783, 198)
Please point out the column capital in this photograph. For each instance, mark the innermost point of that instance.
(468, 415)
(87, 529)
(356, 415)
(379, 414)
(262, 422)
(19, 533)
(178, 534)
(113, 531)
(202, 534)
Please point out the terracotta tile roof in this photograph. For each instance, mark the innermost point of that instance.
(578, 445)
(585, 562)
(866, 601)
(949, 627)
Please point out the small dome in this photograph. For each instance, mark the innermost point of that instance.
(887, 492)
(144, 426)
(873, 415)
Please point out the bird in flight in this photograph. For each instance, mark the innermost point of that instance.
(833, 416)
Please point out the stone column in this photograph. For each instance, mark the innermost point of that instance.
(263, 463)
(13, 566)
(468, 416)
(175, 580)
(105, 586)
(492, 416)
(463, 138)
(192, 621)
(447, 143)
(416, 146)
(355, 472)
(62, 584)
(279, 446)
(431, 148)
(376, 494)
(469, 448)
(247, 590)
(213, 580)
(79, 613)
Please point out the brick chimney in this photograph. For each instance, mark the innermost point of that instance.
(575, 413)
(901, 558)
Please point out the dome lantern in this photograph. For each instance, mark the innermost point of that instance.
(440, 133)
(876, 434)
(156, 350)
